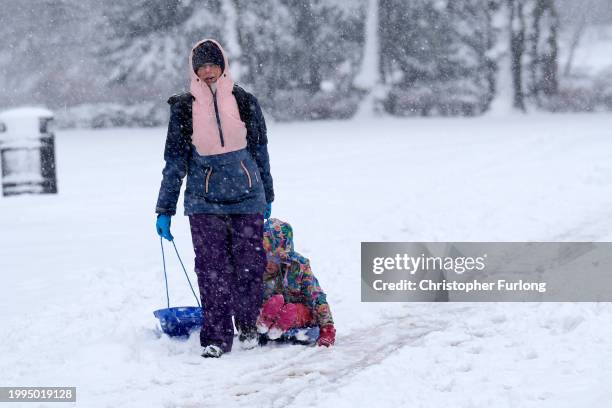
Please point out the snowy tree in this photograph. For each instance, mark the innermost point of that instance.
(369, 76)
(544, 50)
(517, 27)
(533, 27)
(41, 58)
(337, 47)
(435, 55)
(301, 57)
(266, 35)
(148, 43)
(472, 59)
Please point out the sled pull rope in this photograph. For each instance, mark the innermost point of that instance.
(187, 276)
(161, 242)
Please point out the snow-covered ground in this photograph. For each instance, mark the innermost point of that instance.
(81, 271)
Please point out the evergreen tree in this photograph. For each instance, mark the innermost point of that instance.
(533, 30)
(435, 55)
(544, 50)
(148, 43)
(267, 38)
(301, 56)
(517, 27)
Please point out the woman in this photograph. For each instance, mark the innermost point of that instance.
(217, 138)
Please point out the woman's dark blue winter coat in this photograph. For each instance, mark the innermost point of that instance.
(231, 183)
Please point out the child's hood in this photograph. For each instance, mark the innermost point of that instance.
(278, 240)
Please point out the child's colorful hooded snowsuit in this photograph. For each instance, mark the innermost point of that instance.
(293, 277)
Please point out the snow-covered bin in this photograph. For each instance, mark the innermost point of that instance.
(27, 152)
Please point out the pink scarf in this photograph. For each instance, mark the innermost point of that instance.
(206, 136)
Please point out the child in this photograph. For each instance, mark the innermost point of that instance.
(292, 295)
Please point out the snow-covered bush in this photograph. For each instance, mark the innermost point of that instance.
(582, 93)
(437, 99)
(299, 104)
(106, 115)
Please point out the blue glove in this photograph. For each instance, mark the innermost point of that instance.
(163, 226)
(268, 212)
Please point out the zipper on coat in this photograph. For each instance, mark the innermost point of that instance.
(247, 173)
(207, 179)
(214, 94)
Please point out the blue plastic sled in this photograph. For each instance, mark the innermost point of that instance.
(179, 321)
(304, 335)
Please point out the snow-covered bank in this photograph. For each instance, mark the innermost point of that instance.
(81, 271)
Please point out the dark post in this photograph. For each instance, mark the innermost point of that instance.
(47, 157)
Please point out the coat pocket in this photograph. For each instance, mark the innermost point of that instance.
(228, 183)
